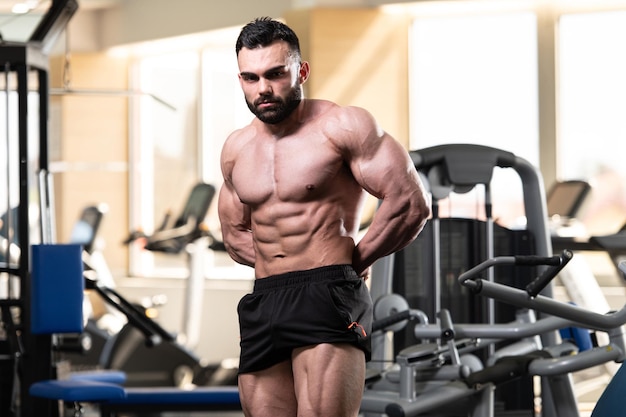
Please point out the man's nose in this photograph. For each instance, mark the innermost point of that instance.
(265, 87)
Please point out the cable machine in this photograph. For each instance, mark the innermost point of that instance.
(28, 209)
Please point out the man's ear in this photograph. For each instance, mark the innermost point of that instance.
(305, 70)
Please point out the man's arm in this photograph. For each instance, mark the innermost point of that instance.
(383, 167)
(235, 220)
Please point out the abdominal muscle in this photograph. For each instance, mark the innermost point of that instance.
(297, 236)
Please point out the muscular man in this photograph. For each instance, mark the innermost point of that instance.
(295, 181)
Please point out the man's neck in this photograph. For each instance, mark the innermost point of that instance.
(290, 124)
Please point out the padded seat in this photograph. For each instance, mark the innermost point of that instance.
(173, 395)
(162, 399)
(104, 375)
(77, 391)
(113, 398)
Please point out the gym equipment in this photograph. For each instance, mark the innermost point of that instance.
(168, 362)
(424, 272)
(188, 233)
(84, 350)
(609, 404)
(9, 246)
(565, 198)
(57, 271)
(25, 357)
(436, 377)
(149, 355)
(441, 378)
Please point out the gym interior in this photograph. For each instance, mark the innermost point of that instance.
(113, 116)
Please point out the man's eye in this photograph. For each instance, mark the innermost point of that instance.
(276, 74)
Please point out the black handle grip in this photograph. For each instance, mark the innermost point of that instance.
(505, 369)
(380, 324)
(539, 283)
(531, 260)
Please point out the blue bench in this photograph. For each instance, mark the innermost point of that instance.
(155, 399)
(113, 398)
(57, 299)
(105, 375)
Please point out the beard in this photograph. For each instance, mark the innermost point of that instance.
(281, 108)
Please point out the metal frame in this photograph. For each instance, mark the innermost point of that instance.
(24, 64)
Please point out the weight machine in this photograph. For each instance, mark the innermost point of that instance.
(423, 272)
(26, 357)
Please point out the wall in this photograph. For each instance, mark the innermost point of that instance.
(166, 18)
(358, 57)
(89, 148)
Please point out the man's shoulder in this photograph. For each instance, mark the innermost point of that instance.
(339, 120)
(236, 142)
(241, 135)
(331, 108)
(332, 116)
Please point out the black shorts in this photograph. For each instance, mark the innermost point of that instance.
(330, 304)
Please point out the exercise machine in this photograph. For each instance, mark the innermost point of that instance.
(58, 285)
(424, 272)
(443, 378)
(25, 357)
(565, 201)
(136, 344)
(147, 353)
(438, 374)
(611, 322)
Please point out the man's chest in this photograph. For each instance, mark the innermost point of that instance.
(287, 170)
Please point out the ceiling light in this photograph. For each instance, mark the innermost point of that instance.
(20, 8)
(24, 6)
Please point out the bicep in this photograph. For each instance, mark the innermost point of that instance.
(382, 166)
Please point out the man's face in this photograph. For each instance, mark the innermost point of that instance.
(271, 81)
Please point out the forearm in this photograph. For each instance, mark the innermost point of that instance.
(394, 227)
(240, 247)
(236, 226)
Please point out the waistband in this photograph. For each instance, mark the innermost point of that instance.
(323, 273)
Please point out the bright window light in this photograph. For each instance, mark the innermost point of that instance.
(592, 105)
(474, 80)
(592, 99)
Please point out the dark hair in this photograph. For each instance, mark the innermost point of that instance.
(263, 31)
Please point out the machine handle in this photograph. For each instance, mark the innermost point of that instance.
(539, 283)
(470, 278)
(505, 369)
(447, 328)
(381, 324)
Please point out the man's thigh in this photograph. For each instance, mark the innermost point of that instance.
(329, 379)
(268, 393)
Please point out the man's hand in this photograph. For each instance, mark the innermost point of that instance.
(366, 274)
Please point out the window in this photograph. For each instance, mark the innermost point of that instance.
(474, 80)
(194, 103)
(592, 104)
(165, 157)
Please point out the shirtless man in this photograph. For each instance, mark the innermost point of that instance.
(295, 181)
